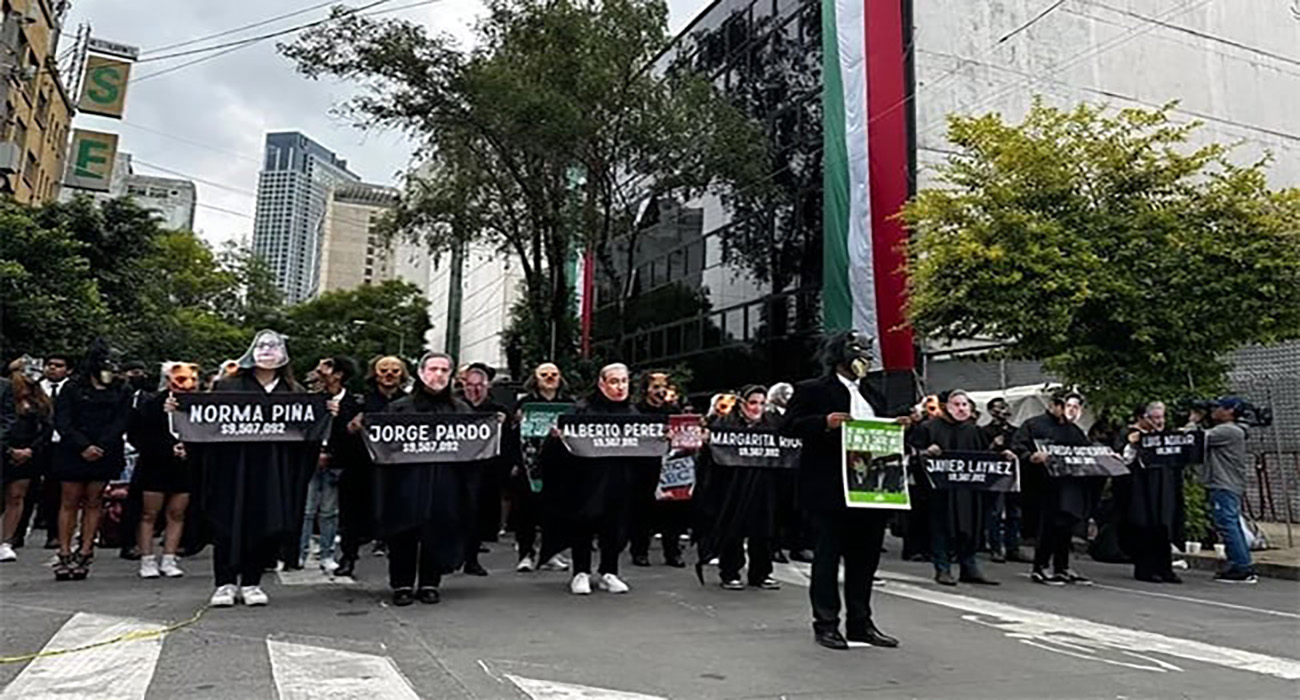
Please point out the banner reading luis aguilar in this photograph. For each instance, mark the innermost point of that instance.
(239, 416)
(1172, 449)
(873, 465)
(753, 447)
(977, 471)
(420, 438)
(593, 435)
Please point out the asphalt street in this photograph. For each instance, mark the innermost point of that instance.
(524, 636)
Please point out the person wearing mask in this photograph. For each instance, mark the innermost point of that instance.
(589, 496)
(57, 375)
(385, 384)
(91, 416)
(1151, 497)
(742, 502)
(1225, 482)
(1003, 516)
(528, 509)
(816, 414)
(253, 492)
(26, 437)
(162, 473)
(419, 506)
(792, 532)
(333, 374)
(483, 480)
(1065, 500)
(648, 516)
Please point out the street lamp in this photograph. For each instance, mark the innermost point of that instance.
(401, 337)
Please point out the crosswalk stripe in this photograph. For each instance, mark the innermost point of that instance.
(313, 577)
(119, 671)
(550, 690)
(304, 672)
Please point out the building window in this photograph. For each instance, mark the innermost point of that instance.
(20, 133)
(31, 172)
(42, 109)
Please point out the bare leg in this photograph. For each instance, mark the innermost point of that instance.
(151, 503)
(15, 496)
(73, 492)
(176, 507)
(90, 516)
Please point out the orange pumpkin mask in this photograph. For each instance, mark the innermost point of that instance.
(182, 377)
(724, 404)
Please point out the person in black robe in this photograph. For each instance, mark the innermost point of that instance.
(588, 498)
(956, 514)
(384, 383)
(527, 507)
(1004, 515)
(252, 493)
(1064, 501)
(26, 439)
(419, 506)
(482, 509)
(91, 417)
(648, 514)
(162, 474)
(917, 540)
(816, 413)
(742, 505)
(1151, 497)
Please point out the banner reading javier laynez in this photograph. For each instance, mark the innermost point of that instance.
(873, 465)
(594, 435)
(420, 438)
(977, 471)
(753, 447)
(239, 416)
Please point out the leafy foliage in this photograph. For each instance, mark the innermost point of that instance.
(362, 323)
(1105, 246)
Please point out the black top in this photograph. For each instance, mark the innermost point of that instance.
(85, 416)
(821, 486)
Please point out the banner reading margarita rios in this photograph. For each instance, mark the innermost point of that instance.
(614, 436)
(1082, 460)
(420, 438)
(753, 447)
(238, 416)
(1172, 449)
(873, 465)
(978, 471)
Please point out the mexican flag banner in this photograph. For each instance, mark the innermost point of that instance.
(866, 173)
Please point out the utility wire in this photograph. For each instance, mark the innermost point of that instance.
(236, 30)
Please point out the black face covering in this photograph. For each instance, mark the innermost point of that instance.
(140, 383)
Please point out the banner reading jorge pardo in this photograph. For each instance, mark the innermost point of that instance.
(421, 438)
(631, 436)
(873, 465)
(237, 416)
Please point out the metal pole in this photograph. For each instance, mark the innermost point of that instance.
(1286, 477)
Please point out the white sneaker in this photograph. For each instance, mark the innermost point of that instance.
(7, 552)
(557, 563)
(170, 567)
(254, 596)
(613, 584)
(329, 565)
(149, 566)
(581, 584)
(525, 565)
(225, 596)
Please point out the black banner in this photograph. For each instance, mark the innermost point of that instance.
(1172, 449)
(1082, 460)
(614, 436)
(421, 438)
(239, 416)
(977, 471)
(753, 447)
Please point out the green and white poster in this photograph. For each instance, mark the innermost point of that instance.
(874, 470)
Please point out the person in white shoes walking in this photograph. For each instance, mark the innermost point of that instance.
(163, 473)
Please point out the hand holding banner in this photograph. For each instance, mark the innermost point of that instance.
(421, 438)
(238, 416)
(872, 465)
(1172, 449)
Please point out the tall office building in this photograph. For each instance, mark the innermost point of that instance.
(292, 198)
(354, 253)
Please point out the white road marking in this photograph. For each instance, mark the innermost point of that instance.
(312, 576)
(1203, 601)
(305, 672)
(119, 671)
(550, 690)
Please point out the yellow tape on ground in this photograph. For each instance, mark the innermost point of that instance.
(128, 637)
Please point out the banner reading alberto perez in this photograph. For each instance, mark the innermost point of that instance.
(614, 436)
(237, 416)
(420, 438)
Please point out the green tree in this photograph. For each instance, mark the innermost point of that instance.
(544, 139)
(1101, 243)
(382, 319)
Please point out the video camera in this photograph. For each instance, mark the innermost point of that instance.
(1248, 414)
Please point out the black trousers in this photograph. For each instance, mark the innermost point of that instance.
(1055, 530)
(253, 560)
(732, 558)
(854, 536)
(668, 518)
(411, 554)
(1150, 551)
(608, 533)
(355, 509)
(526, 510)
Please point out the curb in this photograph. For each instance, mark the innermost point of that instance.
(1210, 562)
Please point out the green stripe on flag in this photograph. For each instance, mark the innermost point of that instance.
(837, 306)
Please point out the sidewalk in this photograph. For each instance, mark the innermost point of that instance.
(1280, 562)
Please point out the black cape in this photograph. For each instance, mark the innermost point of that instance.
(426, 496)
(357, 480)
(254, 491)
(1151, 496)
(962, 509)
(737, 502)
(157, 468)
(1072, 496)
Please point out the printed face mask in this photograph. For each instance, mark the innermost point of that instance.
(389, 372)
(858, 355)
(959, 408)
(182, 377)
(657, 389)
(268, 351)
(725, 403)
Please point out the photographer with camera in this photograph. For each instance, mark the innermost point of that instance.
(1225, 480)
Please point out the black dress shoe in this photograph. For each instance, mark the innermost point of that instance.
(1171, 577)
(944, 578)
(347, 565)
(831, 639)
(802, 555)
(779, 557)
(979, 579)
(403, 597)
(428, 596)
(473, 569)
(1148, 578)
(1018, 556)
(873, 636)
(640, 560)
(675, 561)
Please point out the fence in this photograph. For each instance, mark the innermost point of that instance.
(1270, 376)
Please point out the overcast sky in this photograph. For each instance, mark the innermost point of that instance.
(207, 121)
